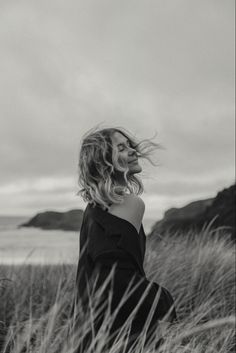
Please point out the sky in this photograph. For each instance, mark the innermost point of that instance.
(152, 67)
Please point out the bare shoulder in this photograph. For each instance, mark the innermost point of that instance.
(132, 210)
(134, 200)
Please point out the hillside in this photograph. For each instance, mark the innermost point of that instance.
(195, 214)
(70, 220)
(192, 216)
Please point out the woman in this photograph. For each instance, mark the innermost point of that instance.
(112, 239)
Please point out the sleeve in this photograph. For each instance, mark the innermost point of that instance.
(141, 292)
(149, 296)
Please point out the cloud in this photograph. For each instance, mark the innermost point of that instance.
(162, 66)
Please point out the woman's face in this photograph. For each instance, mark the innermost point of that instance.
(126, 153)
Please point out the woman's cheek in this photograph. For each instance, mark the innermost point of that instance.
(123, 159)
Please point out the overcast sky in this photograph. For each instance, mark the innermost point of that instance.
(149, 66)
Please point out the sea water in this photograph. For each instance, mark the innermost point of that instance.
(34, 245)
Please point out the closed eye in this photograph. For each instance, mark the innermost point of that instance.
(122, 145)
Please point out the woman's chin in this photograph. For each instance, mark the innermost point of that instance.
(135, 170)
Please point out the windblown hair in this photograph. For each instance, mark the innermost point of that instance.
(100, 169)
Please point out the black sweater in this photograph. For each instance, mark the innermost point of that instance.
(106, 241)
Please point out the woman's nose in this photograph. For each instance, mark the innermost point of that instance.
(132, 151)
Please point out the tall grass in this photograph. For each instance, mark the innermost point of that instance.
(198, 269)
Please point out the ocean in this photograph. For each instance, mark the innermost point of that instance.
(37, 246)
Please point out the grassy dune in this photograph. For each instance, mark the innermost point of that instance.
(198, 269)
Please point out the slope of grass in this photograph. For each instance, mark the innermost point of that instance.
(198, 269)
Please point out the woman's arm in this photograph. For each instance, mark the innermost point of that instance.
(140, 287)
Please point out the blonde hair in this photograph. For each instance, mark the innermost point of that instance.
(100, 168)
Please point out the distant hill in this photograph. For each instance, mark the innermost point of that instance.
(192, 216)
(70, 220)
(195, 214)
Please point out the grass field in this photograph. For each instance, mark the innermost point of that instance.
(198, 269)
